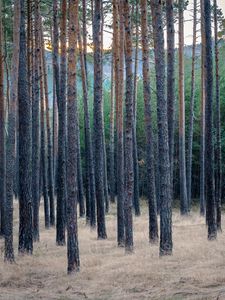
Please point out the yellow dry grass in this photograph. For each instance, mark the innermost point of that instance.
(195, 271)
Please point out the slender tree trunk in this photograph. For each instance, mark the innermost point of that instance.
(129, 167)
(25, 146)
(202, 136)
(44, 163)
(84, 19)
(153, 226)
(11, 141)
(119, 122)
(2, 131)
(80, 174)
(72, 155)
(55, 60)
(182, 163)
(209, 157)
(112, 131)
(135, 151)
(61, 186)
(191, 110)
(218, 169)
(170, 82)
(36, 128)
(49, 134)
(88, 143)
(98, 121)
(166, 244)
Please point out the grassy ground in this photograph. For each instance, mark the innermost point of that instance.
(195, 271)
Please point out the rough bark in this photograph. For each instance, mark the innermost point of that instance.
(209, 157)
(166, 244)
(170, 82)
(119, 69)
(153, 226)
(72, 154)
(2, 131)
(182, 160)
(61, 186)
(25, 146)
(11, 142)
(112, 133)
(36, 128)
(191, 109)
(129, 167)
(135, 151)
(49, 134)
(88, 143)
(98, 121)
(218, 168)
(202, 134)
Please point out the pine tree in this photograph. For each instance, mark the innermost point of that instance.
(166, 244)
(209, 157)
(129, 167)
(72, 155)
(98, 121)
(153, 226)
(25, 146)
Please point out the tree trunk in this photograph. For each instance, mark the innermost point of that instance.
(98, 121)
(49, 134)
(209, 157)
(88, 143)
(218, 169)
(166, 244)
(202, 135)
(135, 151)
(61, 186)
(182, 163)
(119, 90)
(153, 226)
(80, 174)
(112, 131)
(170, 82)
(25, 146)
(36, 127)
(72, 155)
(129, 167)
(191, 111)
(11, 141)
(55, 61)
(2, 131)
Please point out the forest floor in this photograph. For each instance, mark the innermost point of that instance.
(195, 271)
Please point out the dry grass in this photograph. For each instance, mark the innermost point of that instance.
(195, 271)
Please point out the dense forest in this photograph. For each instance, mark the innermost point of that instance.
(108, 110)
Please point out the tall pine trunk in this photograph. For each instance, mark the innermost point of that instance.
(129, 167)
(2, 130)
(61, 186)
(202, 134)
(25, 146)
(72, 155)
(166, 244)
(49, 134)
(11, 141)
(191, 109)
(88, 143)
(170, 82)
(182, 161)
(153, 226)
(135, 151)
(209, 157)
(118, 26)
(36, 127)
(98, 121)
(218, 169)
